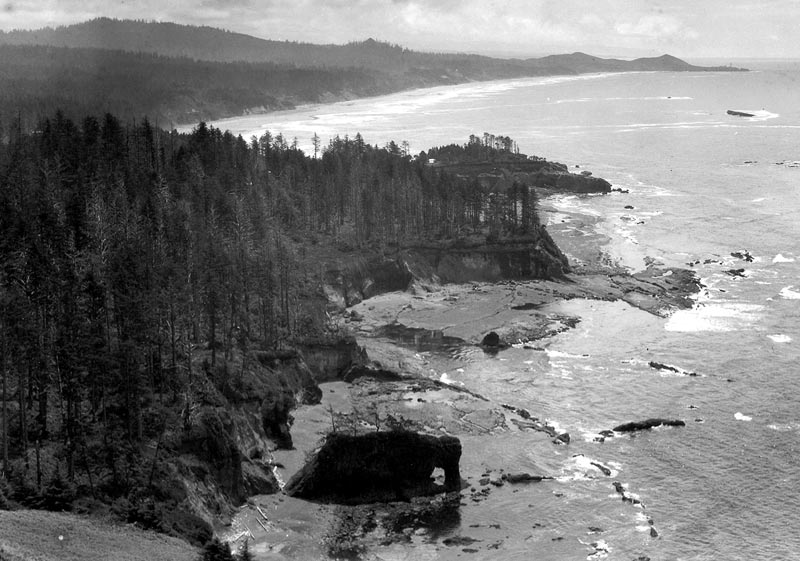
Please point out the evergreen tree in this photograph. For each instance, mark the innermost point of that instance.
(216, 550)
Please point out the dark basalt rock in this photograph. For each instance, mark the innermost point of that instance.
(377, 467)
(491, 339)
(648, 424)
(369, 371)
(527, 306)
(570, 182)
(523, 477)
(670, 368)
(562, 438)
(419, 338)
(626, 496)
(602, 468)
(736, 272)
(459, 540)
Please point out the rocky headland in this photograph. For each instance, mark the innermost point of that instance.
(539, 173)
(405, 308)
(359, 421)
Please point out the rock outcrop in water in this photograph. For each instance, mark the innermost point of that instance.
(670, 368)
(648, 424)
(378, 466)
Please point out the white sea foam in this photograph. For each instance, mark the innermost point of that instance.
(572, 203)
(555, 218)
(576, 100)
(710, 316)
(651, 98)
(782, 259)
(759, 114)
(444, 378)
(788, 294)
(742, 417)
(785, 427)
(780, 338)
(561, 354)
(580, 467)
(558, 428)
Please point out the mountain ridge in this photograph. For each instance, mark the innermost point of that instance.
(178, 74)
(219, 45)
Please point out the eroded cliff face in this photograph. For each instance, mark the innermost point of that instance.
(219, 452)
(568, 182)
(330, 359)
(529, 257)
(365, 276)
(538, 174)
(534, 256)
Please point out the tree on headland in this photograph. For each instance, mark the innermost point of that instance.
(216, 550)
(245, 554)
(136, 264)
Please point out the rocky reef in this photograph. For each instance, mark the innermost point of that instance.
(378, 466)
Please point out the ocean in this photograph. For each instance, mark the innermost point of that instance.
(701, 185)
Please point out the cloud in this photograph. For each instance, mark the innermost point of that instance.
(225, 3)
(657, 27)
(682, 27)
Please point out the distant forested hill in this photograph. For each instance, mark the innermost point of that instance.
(177, 73)
(40, 80)
(208, 43)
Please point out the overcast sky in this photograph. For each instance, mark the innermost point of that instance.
(686, 28)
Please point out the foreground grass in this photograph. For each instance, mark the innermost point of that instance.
(32, 535)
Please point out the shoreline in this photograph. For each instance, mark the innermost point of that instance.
(433, 327)
(462, 88)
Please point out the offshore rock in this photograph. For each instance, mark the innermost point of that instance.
(648, 424)
(377, 467)
(524, 477)
(670, 368)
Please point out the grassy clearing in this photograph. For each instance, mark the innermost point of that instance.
(31, 535)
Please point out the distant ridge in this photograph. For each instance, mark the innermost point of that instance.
(175, 74)
(212, 44)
